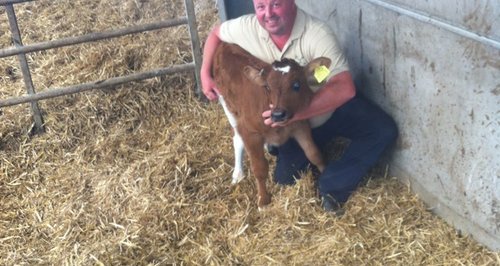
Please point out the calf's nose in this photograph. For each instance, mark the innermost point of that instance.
(278, 115)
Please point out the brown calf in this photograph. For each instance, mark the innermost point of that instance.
(247, 87)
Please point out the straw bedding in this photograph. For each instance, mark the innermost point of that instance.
(140, 174)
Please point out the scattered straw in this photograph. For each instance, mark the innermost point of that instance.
(139, 175)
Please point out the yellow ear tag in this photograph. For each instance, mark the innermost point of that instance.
(321, 73)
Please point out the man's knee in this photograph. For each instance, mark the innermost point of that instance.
(388, 132)
(284, 179)
(288, 171)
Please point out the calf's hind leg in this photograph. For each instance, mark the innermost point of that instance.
(239, 150)
(238, 146)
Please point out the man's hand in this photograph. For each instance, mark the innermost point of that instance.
(268, 120)
(207, 81)
(209, 87)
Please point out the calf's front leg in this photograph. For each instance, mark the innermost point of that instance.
(304, 137)
(254, 146)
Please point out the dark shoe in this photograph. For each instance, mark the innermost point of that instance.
(331, 205)
(271, 149)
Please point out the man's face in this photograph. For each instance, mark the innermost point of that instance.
(276, 16)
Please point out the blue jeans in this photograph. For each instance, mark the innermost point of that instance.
(370, 131)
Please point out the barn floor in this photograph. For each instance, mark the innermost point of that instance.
(140, 174)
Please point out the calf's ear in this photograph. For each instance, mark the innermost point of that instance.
(255, 75)
(313, 66)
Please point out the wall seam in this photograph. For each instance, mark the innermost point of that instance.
(426, 18)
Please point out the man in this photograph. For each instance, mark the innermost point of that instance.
(279, 29)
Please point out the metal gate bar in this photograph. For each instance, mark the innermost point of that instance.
(91, 37)
(97, 84)
(195, 43)
(33, 97)
(28, 82)
(8, 2)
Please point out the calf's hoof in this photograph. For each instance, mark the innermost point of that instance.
(237, 177)
(321, 168)
(264, 200)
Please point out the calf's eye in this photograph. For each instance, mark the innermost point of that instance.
(296, 86)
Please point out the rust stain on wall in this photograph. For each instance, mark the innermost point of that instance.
(478, 19)
(496, 91)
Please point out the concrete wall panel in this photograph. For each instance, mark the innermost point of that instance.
(478, 16)
(435, 67)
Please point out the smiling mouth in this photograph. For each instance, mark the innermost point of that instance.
(272, 21)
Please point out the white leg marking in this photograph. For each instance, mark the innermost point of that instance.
(230, 116)
(238, 145)
(239, 150)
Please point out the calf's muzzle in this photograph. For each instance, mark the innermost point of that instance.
(279, 115)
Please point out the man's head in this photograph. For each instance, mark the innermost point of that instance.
(276, 16)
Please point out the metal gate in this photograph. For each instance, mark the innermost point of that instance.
(21, 50)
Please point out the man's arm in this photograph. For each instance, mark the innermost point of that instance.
(337, 91)
(207, 81)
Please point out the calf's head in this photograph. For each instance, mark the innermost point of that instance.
(286, 84)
